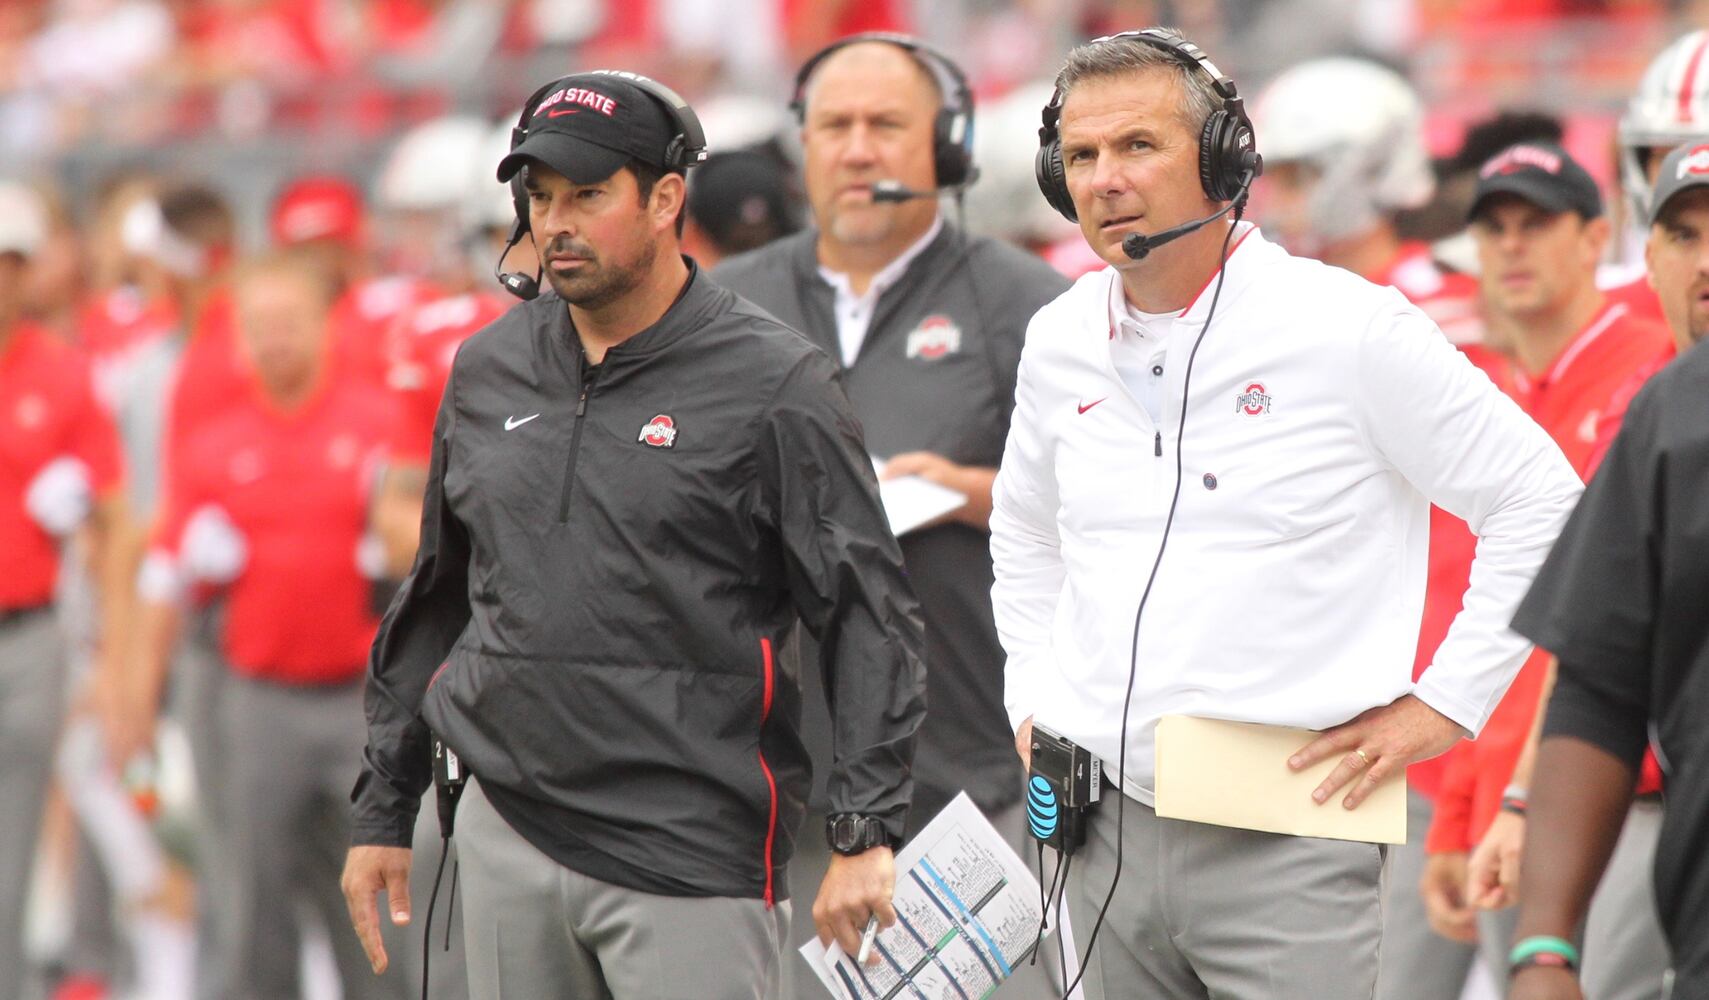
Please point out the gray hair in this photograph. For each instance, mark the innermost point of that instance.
(1120, 56)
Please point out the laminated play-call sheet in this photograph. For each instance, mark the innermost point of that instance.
(967, 911)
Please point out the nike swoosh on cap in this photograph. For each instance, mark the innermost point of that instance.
(511, 423)
(563, 111)
(1083, 407)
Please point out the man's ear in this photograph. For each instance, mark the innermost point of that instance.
(670, 194)
(1597, 233)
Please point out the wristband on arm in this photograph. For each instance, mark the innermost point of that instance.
(1552, 952)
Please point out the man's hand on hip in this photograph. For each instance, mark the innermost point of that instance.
(1378, 743)
(855, 887)
(367, 871)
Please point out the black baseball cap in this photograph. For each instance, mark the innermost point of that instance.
(588, 125)
(1683, 169)
(741, 195)
(1542, 174)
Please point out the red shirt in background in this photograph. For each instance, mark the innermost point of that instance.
(424, 344)
(1638, 296)
(1570, 397)
(213, 372)
(283, 38)
(48, 411)
(1615, 413)
(211, 376)
(361, 322)
(1568, 400)
(296, 484)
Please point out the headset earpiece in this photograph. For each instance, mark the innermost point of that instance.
(1047, 167)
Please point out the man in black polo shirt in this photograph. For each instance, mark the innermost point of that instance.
(639, 485)
(1623, 601)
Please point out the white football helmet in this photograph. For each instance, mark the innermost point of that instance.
(1671, 107)
(487, 203)
(430, 168)
(1360, 127)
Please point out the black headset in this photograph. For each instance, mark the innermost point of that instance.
(1227, 157)
(952, 130)
(686, 149)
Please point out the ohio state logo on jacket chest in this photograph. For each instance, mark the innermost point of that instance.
(660, 432)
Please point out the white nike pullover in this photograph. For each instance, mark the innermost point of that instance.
(1324, 415)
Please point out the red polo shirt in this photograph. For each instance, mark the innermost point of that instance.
(210, 377)
(1570, 397)
(424, 342)
(1568, 400)
(1639, 297)
(296, 484)
(361, 321)
(47, 411)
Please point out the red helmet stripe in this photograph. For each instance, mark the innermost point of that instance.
(1688, 86)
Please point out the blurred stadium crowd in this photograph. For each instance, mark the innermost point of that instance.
(154, 152)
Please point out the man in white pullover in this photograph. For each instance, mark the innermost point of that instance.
(1282, 427)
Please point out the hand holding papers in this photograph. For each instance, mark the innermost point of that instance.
(913, 501)
(1236, 774)
(967, 915)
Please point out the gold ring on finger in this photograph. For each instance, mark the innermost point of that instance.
(1364, 757)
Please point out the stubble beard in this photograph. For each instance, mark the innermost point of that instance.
(600, 281)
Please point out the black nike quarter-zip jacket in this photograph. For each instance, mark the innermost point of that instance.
(612, 558)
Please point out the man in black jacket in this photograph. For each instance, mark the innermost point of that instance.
(639, 483)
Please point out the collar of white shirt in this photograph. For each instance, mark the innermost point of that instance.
(889, 274)
(1125, 319)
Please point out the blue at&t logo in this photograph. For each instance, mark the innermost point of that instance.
(1043, 813)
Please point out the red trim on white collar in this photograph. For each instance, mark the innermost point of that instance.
(1231, 250)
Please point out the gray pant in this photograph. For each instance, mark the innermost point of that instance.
(1495, 938)
(1208, 911)
(536, 930)
(32, 706)
(1417, 963)
(447, 968)
(199, 679)
(292, 754)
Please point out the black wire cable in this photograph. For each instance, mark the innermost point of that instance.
(450, 903)
(427, 925)
(1067, 862)
(1043, 903)
(1044, 898)
(1162, 544)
